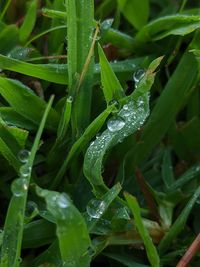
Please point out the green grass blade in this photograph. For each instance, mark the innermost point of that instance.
(29, 22)
(48, 72)
(57, 73)
(168, 25)
(135, 11)
(73, 236)
(8, 2)
(161, 116)
(151, 251)
(112, 88)
(80, 24)
(13, 228)
(89, 133)
(126, 122)
(97, 207)
(167, 169)
(190, 174)
(26, 103)
(179, 224)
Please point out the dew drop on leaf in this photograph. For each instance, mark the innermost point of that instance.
(95, 208)
(25, 170)
(23, 155)
(115, 124)
(19, 187)
(138, 75)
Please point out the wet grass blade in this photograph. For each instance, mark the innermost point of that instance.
(73, 236)
(161, 116)
(26, 103)
(13, 228)
(112, 88)
(151, 251)
(125, 122)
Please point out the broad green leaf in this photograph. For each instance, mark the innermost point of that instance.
(29, 22)
(135, 11)
(151, 251)
(73, 236)
(13, 228)
(179, 224)
(26, 103)
(124, 123)
(112, 88)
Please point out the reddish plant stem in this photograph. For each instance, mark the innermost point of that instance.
(190, 253)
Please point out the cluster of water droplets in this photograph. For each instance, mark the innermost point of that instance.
(20, 185)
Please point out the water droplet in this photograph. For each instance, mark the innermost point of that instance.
(19, 187)
(23, 155)
(98, 135)
(115, 124)
(70, 99)
(25, 170)
(138, 75)
(62, 201)
(125, 107)
(96, 208)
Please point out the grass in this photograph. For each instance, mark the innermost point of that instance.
(99, 133)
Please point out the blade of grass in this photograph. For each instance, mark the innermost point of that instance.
(151, 251)
(179, 224)
(112, 88)
(13, 228)
(29, 22)
(72, 232)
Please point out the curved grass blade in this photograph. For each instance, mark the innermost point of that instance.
(13, 228)
(152, 253)
(126, 122)
(26, 103)
(179, 224)
(73, 236)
